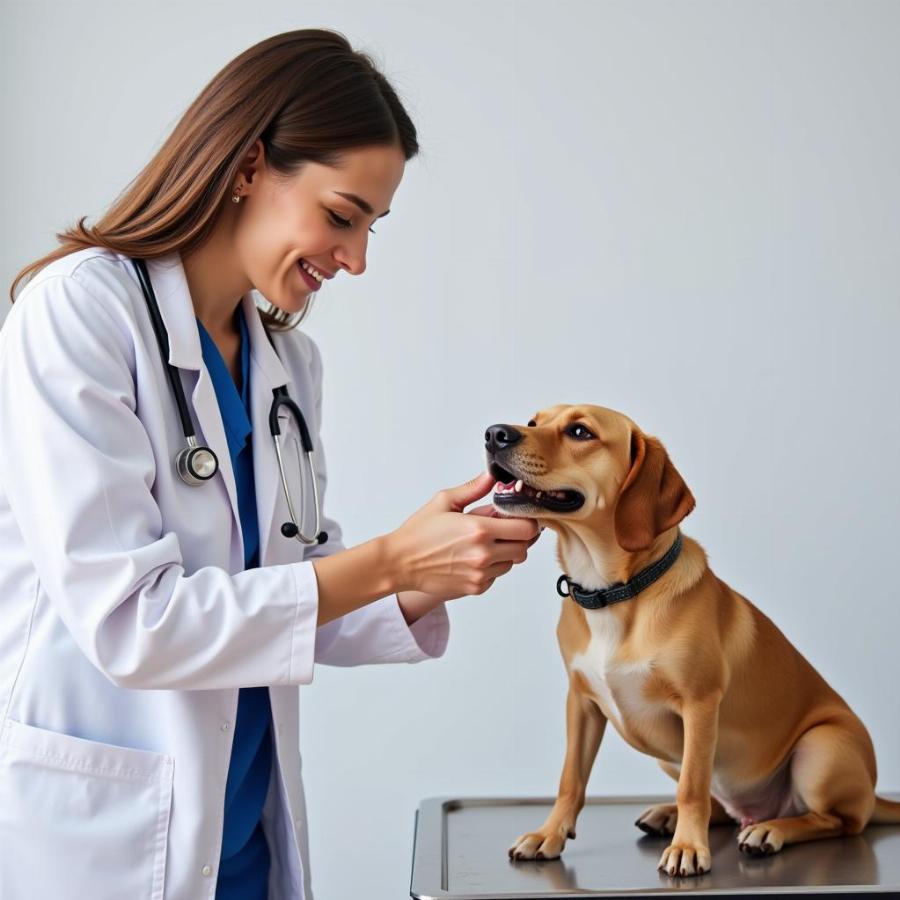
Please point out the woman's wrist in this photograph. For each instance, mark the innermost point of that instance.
(355, 577)
(415, 604)
(393, 566)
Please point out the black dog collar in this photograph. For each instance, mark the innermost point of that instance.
(622, 591)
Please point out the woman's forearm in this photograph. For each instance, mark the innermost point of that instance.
(359, 575)
(356, 576)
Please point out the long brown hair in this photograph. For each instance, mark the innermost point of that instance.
(307, 94)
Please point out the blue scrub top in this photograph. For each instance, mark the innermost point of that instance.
(244, 863)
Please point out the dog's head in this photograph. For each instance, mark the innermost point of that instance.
(584, 462)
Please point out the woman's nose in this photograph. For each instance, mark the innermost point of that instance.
(354, 261)
(354, 267)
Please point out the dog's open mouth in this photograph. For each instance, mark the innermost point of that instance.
(514, 491)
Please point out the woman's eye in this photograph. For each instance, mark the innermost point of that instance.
(343, 223)
(579, 431)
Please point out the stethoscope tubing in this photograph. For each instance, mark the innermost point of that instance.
(162, 340)
(197, 464)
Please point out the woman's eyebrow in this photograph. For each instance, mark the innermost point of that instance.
(365, 207)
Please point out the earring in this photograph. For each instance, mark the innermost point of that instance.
(234, 197)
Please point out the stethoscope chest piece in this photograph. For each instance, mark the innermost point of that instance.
(196, 464)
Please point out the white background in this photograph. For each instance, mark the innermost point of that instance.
(688, 211)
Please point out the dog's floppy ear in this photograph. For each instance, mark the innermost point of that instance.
(653, 496)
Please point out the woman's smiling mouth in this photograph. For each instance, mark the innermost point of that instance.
(309, 279)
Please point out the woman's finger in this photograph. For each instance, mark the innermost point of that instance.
(487, 510)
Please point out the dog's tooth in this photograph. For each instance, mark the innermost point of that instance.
(519, 485)
(538, 494)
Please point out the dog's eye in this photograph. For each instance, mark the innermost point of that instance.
(532, 424)
(579, 431)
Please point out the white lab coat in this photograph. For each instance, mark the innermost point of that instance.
(127, 621)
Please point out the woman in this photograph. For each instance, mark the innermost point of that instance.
(154, 632)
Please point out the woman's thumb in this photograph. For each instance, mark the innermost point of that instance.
(462, 495)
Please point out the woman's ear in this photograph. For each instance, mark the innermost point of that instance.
(653, 496)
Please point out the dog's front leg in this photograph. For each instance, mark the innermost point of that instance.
(585, 724)
(689, 853)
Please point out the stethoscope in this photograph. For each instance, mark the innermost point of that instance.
(196, 464)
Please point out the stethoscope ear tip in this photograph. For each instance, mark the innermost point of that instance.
(289, 530)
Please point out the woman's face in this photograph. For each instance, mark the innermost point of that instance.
(280, 222)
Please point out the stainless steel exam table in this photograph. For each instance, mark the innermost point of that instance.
(460, 853)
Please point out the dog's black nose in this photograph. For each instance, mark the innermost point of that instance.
(499, 437)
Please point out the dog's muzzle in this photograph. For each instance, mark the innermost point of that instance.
(513, 490)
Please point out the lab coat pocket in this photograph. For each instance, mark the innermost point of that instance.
(81, 818)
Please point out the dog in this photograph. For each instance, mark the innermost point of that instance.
(685, 668)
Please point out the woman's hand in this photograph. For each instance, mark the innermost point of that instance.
(440, 551)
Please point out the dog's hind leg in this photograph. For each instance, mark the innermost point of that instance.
(832, 779)
(585, 724)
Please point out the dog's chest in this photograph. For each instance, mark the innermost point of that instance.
(616, 684)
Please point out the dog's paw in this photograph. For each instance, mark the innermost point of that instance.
(658, 820)
(760, 839)
(685, 859)
(543, 844)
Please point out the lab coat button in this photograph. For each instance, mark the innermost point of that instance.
(207, 871)
(225, 726)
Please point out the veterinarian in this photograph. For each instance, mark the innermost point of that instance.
(162, 599)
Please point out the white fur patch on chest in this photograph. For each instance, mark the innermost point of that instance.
(618, 686)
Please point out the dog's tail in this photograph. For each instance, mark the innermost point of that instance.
(887, 812)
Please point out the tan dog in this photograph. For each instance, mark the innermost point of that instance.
(688, 671)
